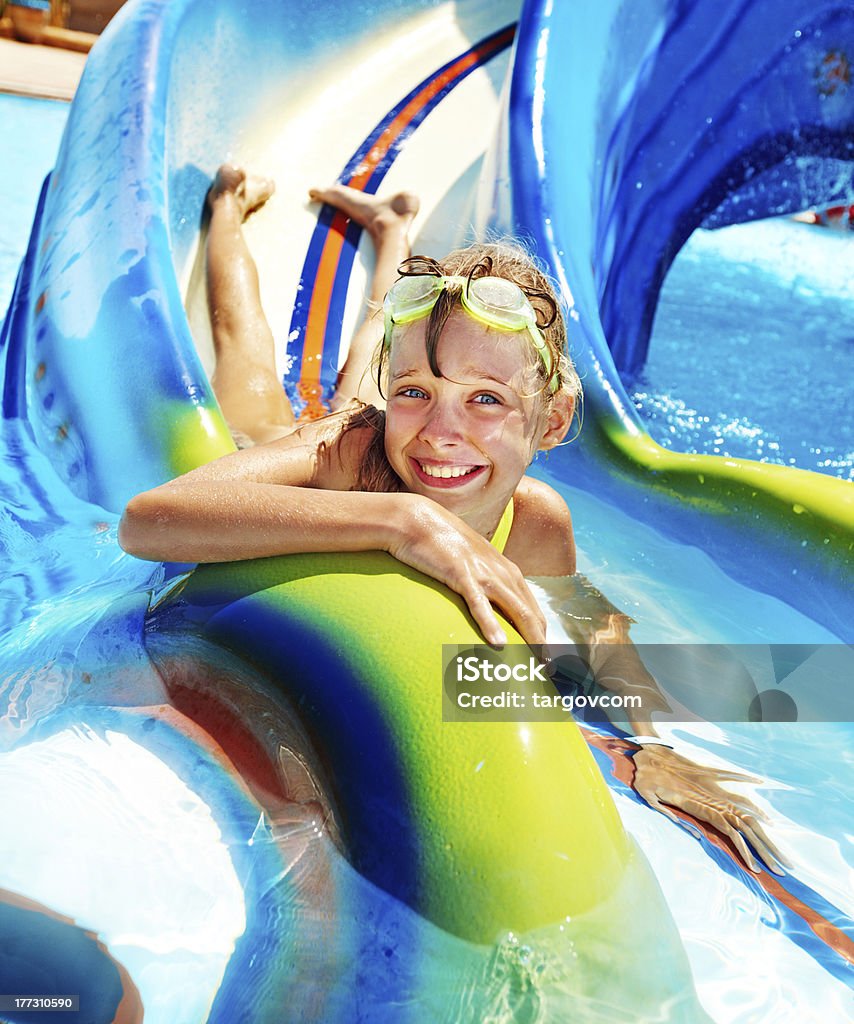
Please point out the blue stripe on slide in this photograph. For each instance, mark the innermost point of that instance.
(489, 47)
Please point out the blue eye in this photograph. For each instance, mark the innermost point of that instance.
(412, 392)
(486, 399)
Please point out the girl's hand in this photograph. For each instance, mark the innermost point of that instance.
(664, 777)
(438, 543)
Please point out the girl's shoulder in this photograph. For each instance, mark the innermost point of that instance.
(339, 444)
(541, 541)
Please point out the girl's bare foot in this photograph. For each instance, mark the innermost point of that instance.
(249, 191)
(377, 215)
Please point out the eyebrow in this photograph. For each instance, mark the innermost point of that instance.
(468, 371)
(473, 371)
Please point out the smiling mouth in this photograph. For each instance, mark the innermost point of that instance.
(445, 475)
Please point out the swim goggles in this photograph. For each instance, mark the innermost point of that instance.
(494, 301)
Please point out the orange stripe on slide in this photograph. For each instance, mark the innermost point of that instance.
(318, 312)
(309, 387)
(398, 125)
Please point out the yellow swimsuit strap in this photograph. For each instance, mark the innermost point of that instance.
(502, 531)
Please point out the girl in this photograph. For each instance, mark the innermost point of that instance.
(476, 381)
(474, 377)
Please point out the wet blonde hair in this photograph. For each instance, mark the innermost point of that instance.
(507, 259)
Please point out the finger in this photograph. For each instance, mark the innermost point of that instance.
(730, 803)
(521, 618)
(706, 780)
(739, 821)
(657, 805)
(764, 847)
(739, 842)
(525, 615)
(483, 614)
(711, 816)
(768, 854)
(724, 775)
(748, 817)
(510, 577)
(522, 586)
(771, 847)
(714, 817)
(743, 816)
(528, 625)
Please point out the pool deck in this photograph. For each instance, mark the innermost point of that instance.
(28, 69)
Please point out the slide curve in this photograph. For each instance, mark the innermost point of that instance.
(631, 125)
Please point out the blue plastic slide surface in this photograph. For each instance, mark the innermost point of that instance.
(632, 124)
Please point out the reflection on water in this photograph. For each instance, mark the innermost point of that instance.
(144, 843)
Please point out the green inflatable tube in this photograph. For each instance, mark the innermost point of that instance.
(479, 827)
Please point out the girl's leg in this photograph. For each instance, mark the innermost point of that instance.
(387, 222)
(245, 381)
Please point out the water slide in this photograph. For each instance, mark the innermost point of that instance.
(747, 142)
(663, 118)
(372, 97)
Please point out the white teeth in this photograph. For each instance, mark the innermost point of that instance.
(447, 472)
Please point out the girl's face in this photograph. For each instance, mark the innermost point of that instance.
(466, 438)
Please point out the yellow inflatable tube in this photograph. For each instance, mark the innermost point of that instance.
(479, 827)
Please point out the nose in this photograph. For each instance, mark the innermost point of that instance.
(442, 426)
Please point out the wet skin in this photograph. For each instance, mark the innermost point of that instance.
(482, 421)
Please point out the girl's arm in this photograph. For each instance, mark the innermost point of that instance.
(243, 506)
(293, 496)
(664, 778)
